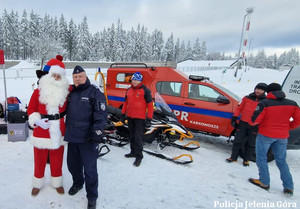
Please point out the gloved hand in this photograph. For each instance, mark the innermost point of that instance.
(103, 139)
(43, 123)
(123, 118)
(148, 122)
(233, 121)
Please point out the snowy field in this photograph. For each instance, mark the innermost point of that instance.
(209, 182)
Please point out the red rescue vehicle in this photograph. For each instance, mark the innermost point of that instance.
(199, 104)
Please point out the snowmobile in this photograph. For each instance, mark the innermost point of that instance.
(165, 130)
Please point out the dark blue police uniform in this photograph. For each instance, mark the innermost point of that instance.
(86, 117)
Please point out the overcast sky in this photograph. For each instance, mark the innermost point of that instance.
(275, 24)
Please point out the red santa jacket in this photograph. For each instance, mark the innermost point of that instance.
(247, 107)
(138, 102)
(51, 138)
(274, 115)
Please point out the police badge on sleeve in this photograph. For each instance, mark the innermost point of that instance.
(98, 132)
(103, 106)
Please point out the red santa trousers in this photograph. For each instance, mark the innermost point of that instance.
(40, 161)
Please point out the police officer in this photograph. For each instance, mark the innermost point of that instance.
(86, 117)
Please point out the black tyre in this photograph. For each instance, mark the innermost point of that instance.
(294, 139)
(270, 156)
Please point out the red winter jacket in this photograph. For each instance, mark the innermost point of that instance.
(247, 107)
(273, 115)
(138, 102)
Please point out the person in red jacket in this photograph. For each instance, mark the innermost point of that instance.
(244, 141)
(46, 112)
(138, 107)
(275, 115)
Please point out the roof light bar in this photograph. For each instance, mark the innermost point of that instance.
(198, 78)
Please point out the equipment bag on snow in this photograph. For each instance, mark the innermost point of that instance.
(13, 103)
(13, 100)
(3, 129)
(17, 117)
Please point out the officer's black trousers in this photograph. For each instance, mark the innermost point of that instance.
(244, 141)
(82, 164)
(136, 129)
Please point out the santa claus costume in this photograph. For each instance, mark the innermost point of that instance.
(46, 112)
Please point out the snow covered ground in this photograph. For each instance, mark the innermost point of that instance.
(209, 182)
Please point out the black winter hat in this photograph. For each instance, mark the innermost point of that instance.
(40, 73)
(273, 87)
(262, 86)
(78, 69)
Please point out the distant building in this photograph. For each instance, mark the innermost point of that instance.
(285, 67)
(190, 65)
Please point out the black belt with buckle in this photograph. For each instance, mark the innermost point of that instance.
(55, 116)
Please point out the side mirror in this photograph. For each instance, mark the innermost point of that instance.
(223, 99)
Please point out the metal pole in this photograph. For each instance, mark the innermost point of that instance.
(242, 34)
(239, 54)
(248, 11)
(249, 53)
(249, 47)
(5, 94)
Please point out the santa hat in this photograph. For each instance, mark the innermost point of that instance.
(54, 65)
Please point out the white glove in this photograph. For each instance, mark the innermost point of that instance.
(43, 123)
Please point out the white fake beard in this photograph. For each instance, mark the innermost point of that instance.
(53, 93)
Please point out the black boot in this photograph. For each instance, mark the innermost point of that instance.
(74, 189)
(137, 162)
(129, 155)
(288, 192)
(92, 204)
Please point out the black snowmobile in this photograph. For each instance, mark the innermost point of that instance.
(165, 130)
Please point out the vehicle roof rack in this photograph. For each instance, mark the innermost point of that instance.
(198, 78)
(129, 64)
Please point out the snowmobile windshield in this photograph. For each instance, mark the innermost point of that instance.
(162, 106)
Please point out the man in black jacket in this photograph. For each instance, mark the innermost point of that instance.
(245, 131)
(86, 117)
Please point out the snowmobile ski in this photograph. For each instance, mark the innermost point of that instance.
(186, 146)
(100, 148)
(116, 142)
(176, 159)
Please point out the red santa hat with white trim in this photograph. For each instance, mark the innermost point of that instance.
(54, 65)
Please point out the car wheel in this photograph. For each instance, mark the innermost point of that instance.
(270, 156)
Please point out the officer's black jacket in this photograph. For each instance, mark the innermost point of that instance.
(86, 114)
